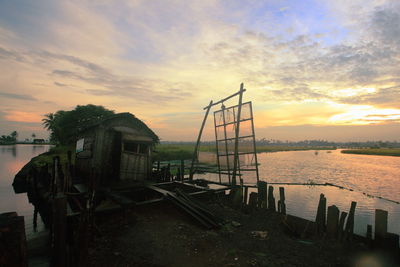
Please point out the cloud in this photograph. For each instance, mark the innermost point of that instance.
(17, 96)
(297, 94)
(384, 97)
(21, 116)
(60, 84)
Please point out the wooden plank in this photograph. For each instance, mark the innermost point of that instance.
(321, 215)
(12, 240)
(381, 218)
(271, 199)
(349, 230)
(262, 195)
(59, 230)
(237, 130)
(343, 216)
(224, 99)
(246, 195)
(120, 199)
(253, 199)
(196, 148)
(81, 188)
(369, 232)
(332, 222)
(282, 205)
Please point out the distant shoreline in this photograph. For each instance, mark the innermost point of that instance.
(394, 152)
(23, 143)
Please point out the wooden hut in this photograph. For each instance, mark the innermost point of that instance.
(115, 149)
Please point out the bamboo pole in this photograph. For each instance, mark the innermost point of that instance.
(236, 155)
(198, 141)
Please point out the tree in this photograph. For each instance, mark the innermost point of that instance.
(33, 136)
(14, 136)
(65, 125)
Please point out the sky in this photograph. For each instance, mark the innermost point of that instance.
(313, 69)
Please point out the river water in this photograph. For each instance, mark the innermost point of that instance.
(370, 177)
(12, 159)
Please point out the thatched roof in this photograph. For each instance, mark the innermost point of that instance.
(130, 118)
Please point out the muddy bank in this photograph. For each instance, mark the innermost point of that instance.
(163, 236)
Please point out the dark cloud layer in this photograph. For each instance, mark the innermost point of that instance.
(17, 96)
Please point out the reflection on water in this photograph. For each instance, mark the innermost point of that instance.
(12, 159)
(374, 175)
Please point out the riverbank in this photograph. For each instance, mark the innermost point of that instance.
(165, 152)
(2, 143)
(142, 237)
(374, 151)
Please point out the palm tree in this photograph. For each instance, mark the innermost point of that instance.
(48, 121)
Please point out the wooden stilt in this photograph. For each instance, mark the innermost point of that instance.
(321, 215)
(253, 199)
(196, 148)
(282, 205)
(332, 222)
(262, 195)
(59, 230)
(343, 216)
(271, 199)
(381, 218)
(349, 230)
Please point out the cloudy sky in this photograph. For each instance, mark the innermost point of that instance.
(314, 69)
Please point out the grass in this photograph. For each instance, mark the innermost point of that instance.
(47, 157)
(167, 152)
(291, 148)
(374, 151)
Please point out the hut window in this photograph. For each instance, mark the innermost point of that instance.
(131, 147)
(143, 149)
(135, 147)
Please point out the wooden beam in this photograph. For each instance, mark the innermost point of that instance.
(223, 100)
(237, 131)
(198, 141)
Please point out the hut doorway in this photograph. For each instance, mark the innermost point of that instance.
(134, 160)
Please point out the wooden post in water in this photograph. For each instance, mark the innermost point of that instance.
(262, 195)
(271, 198)
(332, 222)
(59, 230)
(349, 230)
(12, 240)
(381, 218)
(253, 199)
(178, 174)
(54, 174)
(321, 215)
(246, 195)
(182, 170)
(168, 173)
(281, 204)
(343, 216)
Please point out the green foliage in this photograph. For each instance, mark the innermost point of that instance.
(9, 139)
(47, 158)
(374, 151)
(167, 152)
(65, 125)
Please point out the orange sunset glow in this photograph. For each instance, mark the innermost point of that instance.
(311, 69)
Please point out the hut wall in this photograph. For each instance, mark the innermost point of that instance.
(108, 159)
(84, 161)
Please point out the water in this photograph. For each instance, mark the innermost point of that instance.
(12, 159)
(372, 175)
